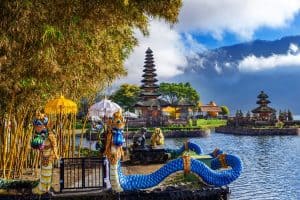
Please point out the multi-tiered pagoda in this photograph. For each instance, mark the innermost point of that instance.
(149, 106)
(263, 111)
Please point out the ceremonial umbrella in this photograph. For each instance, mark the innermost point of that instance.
(61, 106)
(104, 108)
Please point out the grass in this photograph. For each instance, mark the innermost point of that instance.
(200, 124)
(207, 123)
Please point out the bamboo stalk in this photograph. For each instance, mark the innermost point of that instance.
(70, 137)
(81, 136)
(26, 149)
(5, 146)
(17, 134)
(74, 134)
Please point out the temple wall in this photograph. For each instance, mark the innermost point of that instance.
(177, 133)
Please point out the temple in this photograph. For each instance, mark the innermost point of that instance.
(263, 111)
(149, 105)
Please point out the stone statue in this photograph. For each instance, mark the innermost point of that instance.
(157, 137)
(45, 141)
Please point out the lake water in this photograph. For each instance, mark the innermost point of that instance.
(271, 164)
(271, 169)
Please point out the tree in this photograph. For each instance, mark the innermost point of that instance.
(70, 47)
(225, 110)
(74, 48)
(126, 96)
(174, 92)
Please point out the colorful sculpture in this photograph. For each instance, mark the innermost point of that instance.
(113, 149)
(157, 137)
(209, 175)
(45, 141)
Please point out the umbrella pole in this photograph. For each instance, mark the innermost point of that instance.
(60, 131)
(92, 126)
(126, 133)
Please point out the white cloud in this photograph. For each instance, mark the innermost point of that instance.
(168, 51)
(218, 69)
(293, 48)
(172, 46)
(241, 17)
(228, 65)
(252, 63)
(192, 46)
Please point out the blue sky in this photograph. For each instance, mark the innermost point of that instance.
(263, 33)
(209, 24)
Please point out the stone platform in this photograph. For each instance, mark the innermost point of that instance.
(216, 193)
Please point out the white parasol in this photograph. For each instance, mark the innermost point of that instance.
(103, 108)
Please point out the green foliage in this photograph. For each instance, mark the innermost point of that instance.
(279, 124)
(17, 184)
(208, 123)
(126, 96)
(173, 93)
(225, 110)
(74, 48)
(85, 152)
(79, 125)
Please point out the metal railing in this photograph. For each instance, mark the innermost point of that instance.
(83, 173)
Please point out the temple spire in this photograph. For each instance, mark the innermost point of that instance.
(149, 87)
(263, 110)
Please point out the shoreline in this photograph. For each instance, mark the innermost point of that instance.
(167, 134)
(257, 131)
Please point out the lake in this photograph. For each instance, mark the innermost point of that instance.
(271, 169)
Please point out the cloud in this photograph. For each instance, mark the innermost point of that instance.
(218, 69)
(253, 64)
(293, 48)
(241, 17)
(168, 51)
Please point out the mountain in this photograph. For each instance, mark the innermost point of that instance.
(234, 75)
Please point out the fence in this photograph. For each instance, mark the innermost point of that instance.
(82, 173)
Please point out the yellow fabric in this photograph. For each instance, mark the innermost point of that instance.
(49, 154)
(45, 181)
(60, 105)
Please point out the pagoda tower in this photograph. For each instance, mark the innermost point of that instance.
(149, 105)
(263, 110)
(149, 88)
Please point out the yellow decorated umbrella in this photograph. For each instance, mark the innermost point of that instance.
(61, 107)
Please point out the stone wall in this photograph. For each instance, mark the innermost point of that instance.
(167, 134)
(176, 133)
(257, 131)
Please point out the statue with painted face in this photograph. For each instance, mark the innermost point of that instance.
(115, 139)
(40, 130)
(45, 141)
